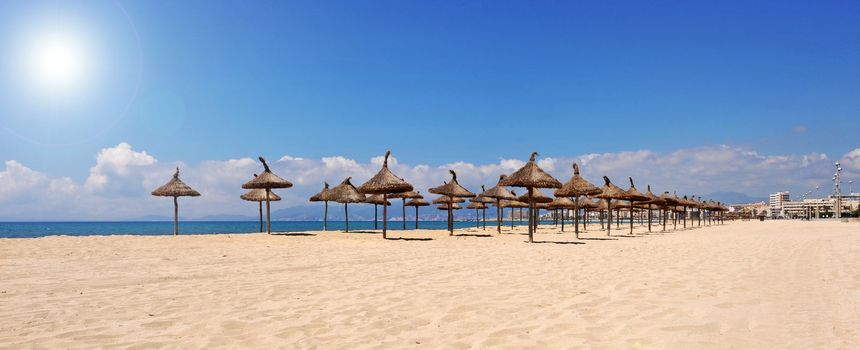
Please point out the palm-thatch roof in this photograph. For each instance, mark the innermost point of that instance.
(267, 179)
(346, 193)
(446, 199)
(652, 198)
(452, 189)
(667, 200)
(577, 186)
(510, 203)
(587, 203)
(482, 199)
(175, 188)
(610, 191)
(476, 205)
(633, 194)
(417, 202)
(384, 182)
(537, 197)
(259, 195)
(376, 199)
(444, 206)
(530, 175)
(407, 195)
(562, 203)
(322, 196)
(499, 191)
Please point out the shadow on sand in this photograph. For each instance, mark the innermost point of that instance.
(554, 242)
(597, 239)
(473, 235)
(294, 234)
(409, 239)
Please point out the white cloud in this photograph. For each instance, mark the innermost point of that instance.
(119, 183)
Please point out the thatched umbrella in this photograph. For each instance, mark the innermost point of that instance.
(478, 205)
(667, 203)
(376, 200)
(385, 183)
(586, 205)
(538, 197)
(531, 176)
(404, 196)
(259, 195)
(175, 188)
(267, 181)
(498, 194)
(575, 187)
(347, 193)
(601, 206)
(417, 202)
(446, 199)
(453, 190)
(485, 200)
(633, 195)
(449, 206)
(323, 196)
(652, 200)
(514, 204)
(564, 204)
(610, 192)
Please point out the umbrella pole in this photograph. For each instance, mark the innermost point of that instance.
(498, 215)
(512, 218)
(685, 217)
(531, 218)
(584, 220)
(631, 217)
(451, 217)
(484, 214)
(384, 215)
(562, 219)
(175, 215)
(576, 216)
(375, 216)
(404, 214)
(268, 212)
(609, 218)
(416, 217)
(261, 216)
(346, 215)
(325, 217)
(649, 217)
(477, 219)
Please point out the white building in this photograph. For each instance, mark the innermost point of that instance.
(777, 200)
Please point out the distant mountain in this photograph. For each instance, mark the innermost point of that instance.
(733, 198)
(226, 217)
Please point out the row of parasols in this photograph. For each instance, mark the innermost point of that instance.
(577, 194)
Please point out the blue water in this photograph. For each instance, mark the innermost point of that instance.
(154, 228)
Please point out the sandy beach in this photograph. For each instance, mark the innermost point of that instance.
(775, 284)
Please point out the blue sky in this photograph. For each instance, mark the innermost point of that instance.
(438, 82)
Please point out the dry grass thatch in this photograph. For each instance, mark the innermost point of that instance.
(499, 191)
(633, 194)
(530, 175)
(454, 206)
(267, 179)
(385, 182)
(446, 199)
(417, 202)
(376, 199)
(322, 196)
(407, 195)
(476, 205)
(576, 186)
(452, 189)
(259, 195)
(347, 193)
(610, 191)
(175, 188)
(562, 203)
(537, 197)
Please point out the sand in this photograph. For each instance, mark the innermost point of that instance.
(787, 285)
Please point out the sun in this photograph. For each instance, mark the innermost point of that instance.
(57, 61)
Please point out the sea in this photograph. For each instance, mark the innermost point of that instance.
(155, 228)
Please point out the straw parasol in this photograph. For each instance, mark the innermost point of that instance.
(633, 195)
(486, 201)
(531, 176)
(404, 196)
(498, 194)
(610, 192)
(175, 188)
(376, 200)
(267, 181)
(449, 206)
(667, 202)
(444, 199)
(323, 196)
(346, 193)
(514, 204)
(586, 205)
(537, 198)
(652, 200)
(478, 205)
(259, 195)
(575, 187)
(385, 183)
(564, 204)
(417, 202)
(453, 190)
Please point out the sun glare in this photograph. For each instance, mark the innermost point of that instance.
(57, 62)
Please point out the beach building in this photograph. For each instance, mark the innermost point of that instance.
(777, 200)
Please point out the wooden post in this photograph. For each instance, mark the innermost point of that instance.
(325, 217)
(268, 213)
(416, 217)
(609, 217)
(261, 216)
(531, 217)
(346, 215)
(384, 215)
(175, 216)
(404, 213)
(499, 215)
